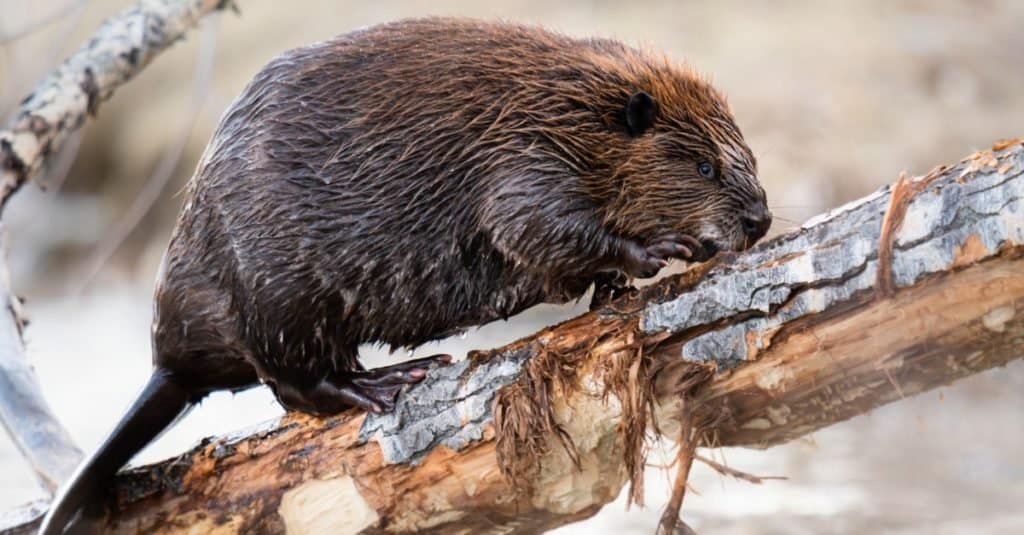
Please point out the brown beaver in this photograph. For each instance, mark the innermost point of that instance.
(404, 182)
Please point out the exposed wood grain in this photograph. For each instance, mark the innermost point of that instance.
(793, 335)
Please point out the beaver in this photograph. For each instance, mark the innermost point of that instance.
(404, 182)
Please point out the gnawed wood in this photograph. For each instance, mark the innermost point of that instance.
(794, 335)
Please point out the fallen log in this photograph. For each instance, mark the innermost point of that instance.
(906, 289)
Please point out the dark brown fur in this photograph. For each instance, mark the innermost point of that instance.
(404, 182)
(408, 181)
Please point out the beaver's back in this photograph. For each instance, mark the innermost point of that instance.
(352, 191)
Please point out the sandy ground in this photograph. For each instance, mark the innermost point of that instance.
(836, 98)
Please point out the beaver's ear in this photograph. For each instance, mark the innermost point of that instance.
(641, 111)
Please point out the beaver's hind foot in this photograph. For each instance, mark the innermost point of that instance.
(373, 390)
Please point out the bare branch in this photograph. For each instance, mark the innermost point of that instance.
(48, 117)
(119, 50)
(23, 410)
(164, 171)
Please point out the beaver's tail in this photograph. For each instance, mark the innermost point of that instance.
(155, 409)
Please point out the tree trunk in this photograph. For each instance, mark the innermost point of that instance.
(904, 290)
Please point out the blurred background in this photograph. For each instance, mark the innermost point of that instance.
(835, 98)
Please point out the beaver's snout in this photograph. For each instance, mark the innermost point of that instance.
(755, 223)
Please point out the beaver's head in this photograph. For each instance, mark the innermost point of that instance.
(678, 162)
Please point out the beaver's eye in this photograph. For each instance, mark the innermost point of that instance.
(706, 170)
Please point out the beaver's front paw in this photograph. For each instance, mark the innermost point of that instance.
(644, 261)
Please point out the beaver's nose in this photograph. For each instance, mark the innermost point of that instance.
(755, 223)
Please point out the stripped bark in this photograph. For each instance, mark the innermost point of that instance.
(59, 105)
(765, 346)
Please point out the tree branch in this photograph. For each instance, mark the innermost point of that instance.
(118, 51)
(763, 347)
(24, 412)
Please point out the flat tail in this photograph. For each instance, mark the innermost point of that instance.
(161, 401)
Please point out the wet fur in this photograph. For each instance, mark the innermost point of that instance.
(404, 182)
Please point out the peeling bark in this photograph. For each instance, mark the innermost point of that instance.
(793, 335)
(47, 117)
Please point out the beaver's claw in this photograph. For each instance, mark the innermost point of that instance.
(644, 261)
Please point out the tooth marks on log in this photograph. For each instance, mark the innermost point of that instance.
(326, 506)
